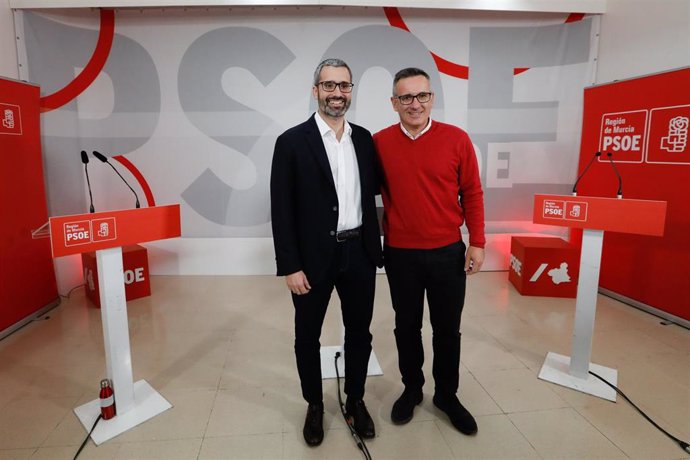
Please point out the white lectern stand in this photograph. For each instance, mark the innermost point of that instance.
(594, 215)
(106, 233)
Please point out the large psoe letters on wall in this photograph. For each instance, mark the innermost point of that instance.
(194, 100)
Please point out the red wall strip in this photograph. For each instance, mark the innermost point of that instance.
(92, 69)
(139, 177)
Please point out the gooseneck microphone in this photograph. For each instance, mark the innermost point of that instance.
(104, 159)
(596, 155)
(85, 160)
(619, 194)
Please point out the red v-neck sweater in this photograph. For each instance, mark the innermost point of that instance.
(422, 181)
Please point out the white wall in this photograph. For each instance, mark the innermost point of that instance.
(8, 49)
(640, 37)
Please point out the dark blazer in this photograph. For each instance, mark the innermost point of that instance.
(304, 202)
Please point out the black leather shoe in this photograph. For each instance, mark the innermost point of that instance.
(460, 417)
(364, 425)
(403, 409)
(313, 425)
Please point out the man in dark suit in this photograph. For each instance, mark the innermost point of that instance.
(326, 235)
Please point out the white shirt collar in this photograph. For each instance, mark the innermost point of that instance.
(325, 129)
(407, 133)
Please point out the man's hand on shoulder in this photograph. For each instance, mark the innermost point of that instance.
(474, 260)
(297, 283)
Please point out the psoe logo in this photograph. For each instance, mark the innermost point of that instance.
(104, 229)
(516, 265)
(558, 275)
(553, 209)
(10, 119)
(576, 210)
(88, 276)
(78, 232)
(623, 134)
(676, 139)
(669, 129)
(134, 276)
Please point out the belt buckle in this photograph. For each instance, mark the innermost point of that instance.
(337, 237)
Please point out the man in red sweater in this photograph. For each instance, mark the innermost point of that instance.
(430, 186)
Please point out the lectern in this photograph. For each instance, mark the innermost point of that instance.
(594, 215)
(106, 233)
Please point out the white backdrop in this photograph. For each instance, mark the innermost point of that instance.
(195, 98)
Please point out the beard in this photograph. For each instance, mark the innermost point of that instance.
(334, 112)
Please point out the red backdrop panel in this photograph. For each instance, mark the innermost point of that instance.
(27, 277)
(643, 123)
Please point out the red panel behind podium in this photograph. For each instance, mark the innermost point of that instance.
(652, 153)
(27, 276)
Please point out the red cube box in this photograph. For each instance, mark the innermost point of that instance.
(135, 264)
(544, 266)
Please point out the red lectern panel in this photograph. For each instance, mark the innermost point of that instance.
(102, 230)
(641, 217)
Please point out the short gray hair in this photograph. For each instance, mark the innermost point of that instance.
(408, 73)
(330, 62)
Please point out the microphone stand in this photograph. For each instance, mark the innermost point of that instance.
(85, 160)
(596, 155)
(619, 194)
(104, 159)
(88, 184)
(136, 205)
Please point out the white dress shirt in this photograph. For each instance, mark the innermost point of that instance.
(408, 134)
(343, 162)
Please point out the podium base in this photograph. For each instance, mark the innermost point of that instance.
(147, 404)
(556, 369)
(328, 360)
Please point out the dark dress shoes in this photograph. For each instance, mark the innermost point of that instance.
(403, 409)
(361, 420)
(460, 417)
(313, 425)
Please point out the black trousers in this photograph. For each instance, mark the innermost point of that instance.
(353, 276)
(441, 275)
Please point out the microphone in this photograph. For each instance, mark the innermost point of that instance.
(619, 194)
(104, 159)
(596, 155)
(85, 160)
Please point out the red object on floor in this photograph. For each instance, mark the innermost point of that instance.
(135, 264)
(107, 400)
(544, 266)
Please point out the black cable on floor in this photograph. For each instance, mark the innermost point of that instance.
(348, 420)
(69, 293)
(683, 445)
(87, 437)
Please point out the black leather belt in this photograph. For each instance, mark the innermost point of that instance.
(348, 234)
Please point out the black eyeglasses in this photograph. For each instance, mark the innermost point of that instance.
(406, 99)
(329, 86)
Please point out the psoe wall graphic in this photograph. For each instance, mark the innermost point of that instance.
(193, 100)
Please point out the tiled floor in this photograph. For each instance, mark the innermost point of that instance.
(220, 350)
